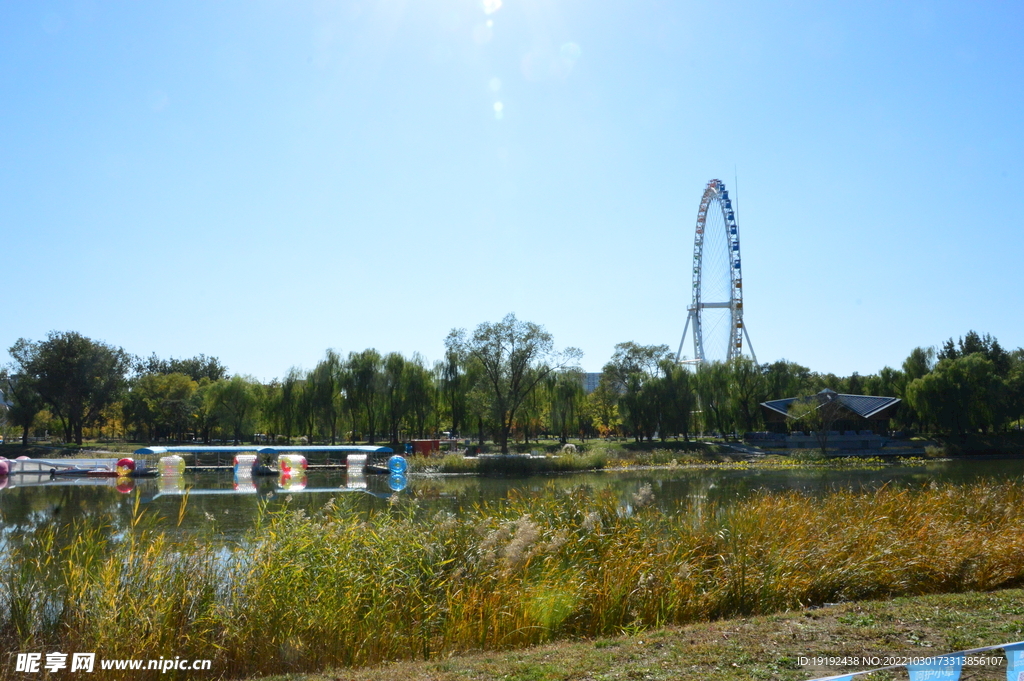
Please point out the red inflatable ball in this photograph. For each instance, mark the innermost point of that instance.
(125, 485)
(5, 467)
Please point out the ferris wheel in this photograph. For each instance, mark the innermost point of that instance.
(716, 312)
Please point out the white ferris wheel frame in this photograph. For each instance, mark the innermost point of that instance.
(715, 193)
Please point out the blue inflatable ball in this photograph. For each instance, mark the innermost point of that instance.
(398, 464)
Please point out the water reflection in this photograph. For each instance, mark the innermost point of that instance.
(222, 507)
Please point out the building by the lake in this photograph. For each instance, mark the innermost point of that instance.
(852, 421)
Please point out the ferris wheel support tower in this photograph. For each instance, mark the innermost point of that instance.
(716, 199)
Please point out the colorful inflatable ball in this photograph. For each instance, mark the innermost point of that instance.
(398, 464)
(172, 465)
(244, 465)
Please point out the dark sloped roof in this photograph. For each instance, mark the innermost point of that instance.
(864, 406)
(781, 406)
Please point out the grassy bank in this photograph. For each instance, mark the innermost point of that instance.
(598, 459)
(593, 455)
(343, 588)
(741, 649)
(508, 466)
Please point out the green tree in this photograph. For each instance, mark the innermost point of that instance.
(678, 399)
(1015, 389)
(197, 368)
(973, 343)
(393, 394)
(76, 376)
(305, 409)
(633, 371)
(566, 397)
(236, 400)
(363, 390)
(748, 386)
(288, 407)
(325, 384)
(714, 396)
(420, 394)
(162, 404)
(919, 363)
(515, 357)
(531, 419)
(786, 379)
(204, 413)
(960, 395)
(632, 359)
(888, 382)
(22, 401)
(455, 385)
(603, 407)
(479, 408)
(271, 422)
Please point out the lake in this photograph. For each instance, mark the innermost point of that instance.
(222, 509)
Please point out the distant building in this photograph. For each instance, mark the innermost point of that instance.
(590, 381)
(859, 422)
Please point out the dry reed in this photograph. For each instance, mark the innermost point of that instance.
(338, 588)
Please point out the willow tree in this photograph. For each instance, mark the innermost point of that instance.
(325, 384)
(236, 401)
(633, 371)
(515, 357)
(565, 392)
(363, 388)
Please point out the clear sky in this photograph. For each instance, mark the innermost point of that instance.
(261, 181)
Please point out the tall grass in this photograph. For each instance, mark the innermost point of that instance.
(340, 587)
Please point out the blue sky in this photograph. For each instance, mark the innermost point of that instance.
(261, 181)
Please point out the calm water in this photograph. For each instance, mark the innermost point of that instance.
(222, 510)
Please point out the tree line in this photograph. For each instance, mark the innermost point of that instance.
(505, 382)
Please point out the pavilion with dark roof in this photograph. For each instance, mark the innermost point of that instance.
(862, 421)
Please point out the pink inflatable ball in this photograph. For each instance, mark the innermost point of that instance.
(23, 458)
(5, 467)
